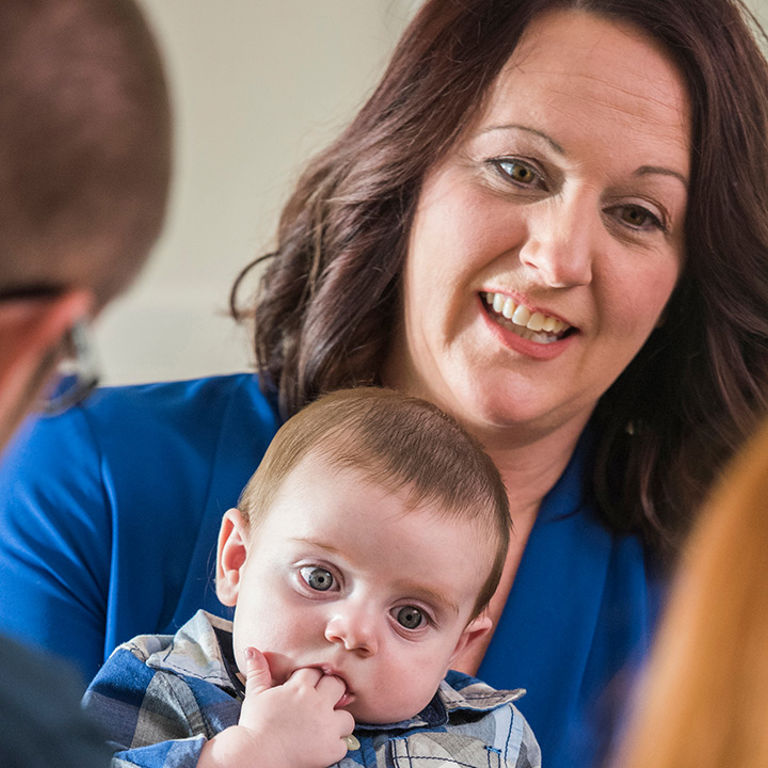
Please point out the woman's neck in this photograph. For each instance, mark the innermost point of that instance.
(529, 471)
(530, 465)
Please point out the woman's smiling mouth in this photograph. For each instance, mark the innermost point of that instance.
(528, 324)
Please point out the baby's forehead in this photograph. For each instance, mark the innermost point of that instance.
(318, 492)
(376, 474)
(346, 478)
(381, 470)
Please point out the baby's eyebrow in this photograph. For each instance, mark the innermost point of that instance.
(428, 595)
(317, 543)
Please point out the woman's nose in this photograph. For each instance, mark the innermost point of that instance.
(560, 242)
(354, 629)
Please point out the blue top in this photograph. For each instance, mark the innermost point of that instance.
(108, 527)
(159, 698)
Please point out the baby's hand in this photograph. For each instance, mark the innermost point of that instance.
(293, 725)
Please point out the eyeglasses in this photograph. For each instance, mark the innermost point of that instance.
(76, 370)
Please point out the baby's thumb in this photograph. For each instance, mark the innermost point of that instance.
(258, 676)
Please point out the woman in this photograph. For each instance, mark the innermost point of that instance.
(543, 221)
(705, 701)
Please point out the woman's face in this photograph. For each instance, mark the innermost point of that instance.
(547, 242)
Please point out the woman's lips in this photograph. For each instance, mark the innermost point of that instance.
(517, 331)
(530, 324)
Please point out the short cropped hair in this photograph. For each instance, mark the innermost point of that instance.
(399, 442)
(85, 144)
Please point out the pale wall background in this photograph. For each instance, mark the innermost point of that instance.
(258, 86)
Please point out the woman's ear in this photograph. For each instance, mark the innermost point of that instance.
(476, 628)
(231, 554)
(31, 331)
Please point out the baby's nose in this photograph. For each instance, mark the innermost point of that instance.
(353, 629)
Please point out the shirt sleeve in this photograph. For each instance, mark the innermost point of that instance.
(181, 753)
(55, 541)
(151, 718)
(528, 750)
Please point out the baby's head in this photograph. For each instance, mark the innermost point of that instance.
(366, 544)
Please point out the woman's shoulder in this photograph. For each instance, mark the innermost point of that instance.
(125, 425)
(205, 398)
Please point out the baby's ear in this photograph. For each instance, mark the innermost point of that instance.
(231, 554)
(476, 629)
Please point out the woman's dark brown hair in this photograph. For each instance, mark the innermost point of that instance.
(328, 300)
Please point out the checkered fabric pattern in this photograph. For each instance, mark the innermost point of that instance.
(159, 697)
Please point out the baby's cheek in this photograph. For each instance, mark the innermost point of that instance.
(404, 695)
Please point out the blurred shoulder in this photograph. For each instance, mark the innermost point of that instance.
(170, 399)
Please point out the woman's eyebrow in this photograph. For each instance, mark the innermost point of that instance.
(641, 171)
(644, 170)
(516, 127)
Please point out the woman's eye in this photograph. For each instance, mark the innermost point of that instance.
(316, 578)
(638, 217)
(520, 173)
(409, 617)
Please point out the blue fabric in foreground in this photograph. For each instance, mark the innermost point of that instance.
(108, 523)
(581, 613)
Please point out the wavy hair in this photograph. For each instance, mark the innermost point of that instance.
(328, 299)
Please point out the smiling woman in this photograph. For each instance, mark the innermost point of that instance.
(595, 183)
(549, 219)
(538, 207)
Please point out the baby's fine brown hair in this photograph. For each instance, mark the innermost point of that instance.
(399, 442)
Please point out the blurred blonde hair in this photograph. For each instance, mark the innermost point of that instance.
(704, 701)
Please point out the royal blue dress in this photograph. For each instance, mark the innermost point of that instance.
(108, 522)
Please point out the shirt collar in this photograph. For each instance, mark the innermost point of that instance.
(457, 693)
(567, 495)
(195, 651)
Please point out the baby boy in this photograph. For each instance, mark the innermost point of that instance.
(360, 558)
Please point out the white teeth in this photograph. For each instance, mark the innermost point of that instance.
(522, 316)
(536, 323)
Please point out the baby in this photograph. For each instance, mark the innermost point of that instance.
(361, 556)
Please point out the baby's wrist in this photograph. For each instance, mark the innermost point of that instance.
(240, 746)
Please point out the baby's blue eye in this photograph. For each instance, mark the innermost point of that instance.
(317, 578)
(410, 617)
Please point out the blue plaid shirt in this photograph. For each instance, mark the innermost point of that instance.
(159, 697)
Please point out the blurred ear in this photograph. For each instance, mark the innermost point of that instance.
(31, 330)
(476, 629)
(231, 554)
